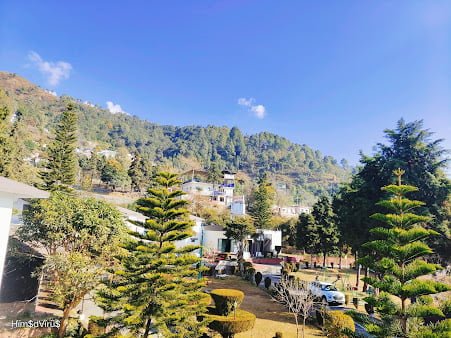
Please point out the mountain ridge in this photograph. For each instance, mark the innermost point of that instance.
(302, 168)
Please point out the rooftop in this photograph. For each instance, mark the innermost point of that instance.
(20, 190)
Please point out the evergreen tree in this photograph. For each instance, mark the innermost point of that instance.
(261, 208)
(307, 233)
(412, 148)
(61, 166)
(395, 255)
(157, 284)
(238, 228)
(137, 173)
(326, 228)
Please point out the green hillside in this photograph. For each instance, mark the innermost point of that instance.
(305, 172)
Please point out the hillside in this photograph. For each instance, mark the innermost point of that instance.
(301, 170)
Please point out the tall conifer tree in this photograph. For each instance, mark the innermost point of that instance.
(60, 169)
(261, 210)
(395, 254)
(158, 284)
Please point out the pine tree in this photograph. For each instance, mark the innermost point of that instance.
(306, 233)
(261, 209)
(157, 284)
(395, 254)
(140, 172)
(61, 166)
(326, 228)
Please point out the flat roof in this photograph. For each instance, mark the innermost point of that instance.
(21, 190)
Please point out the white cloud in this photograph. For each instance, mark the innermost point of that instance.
(115, 108)
(242, 101)
(53, 71)
(258, 110)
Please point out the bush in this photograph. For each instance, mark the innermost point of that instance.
(278, 335)
(230, 325)
(250, 273)
(258, 278)
(247, 265)
(336, 322)
(225, 300)
(446, 308)
(96, 325)
(267, 282)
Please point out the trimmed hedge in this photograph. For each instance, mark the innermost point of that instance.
(225, 300)
(230, 325)
(336, 322)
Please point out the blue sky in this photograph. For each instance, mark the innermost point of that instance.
(330, 74)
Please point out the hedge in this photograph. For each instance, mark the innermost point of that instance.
(336, 322)
(225, 300)
(230, 325)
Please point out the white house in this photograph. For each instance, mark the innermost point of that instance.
(221, 193)
(290, 211)
(212, 237)
(10, 192)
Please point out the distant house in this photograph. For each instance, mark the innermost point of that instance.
(195, 184)
(238, 207)
(290, 211)
(107, 153)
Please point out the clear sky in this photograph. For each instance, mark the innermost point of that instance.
(330, 74)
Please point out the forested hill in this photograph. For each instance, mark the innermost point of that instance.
(300, 167)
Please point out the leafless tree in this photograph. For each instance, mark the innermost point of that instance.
(296, 296)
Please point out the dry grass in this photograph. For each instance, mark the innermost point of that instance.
(271, 316)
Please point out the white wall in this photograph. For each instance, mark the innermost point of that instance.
(6, 208)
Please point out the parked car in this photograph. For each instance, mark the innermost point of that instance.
(327, 293)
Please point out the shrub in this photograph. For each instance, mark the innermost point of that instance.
(247, 265)
(96, 325)
(250, 273)
(278, 335)
(446, 308)
(336, 322)
(230, 325)
(258, 278)
(267, 282)
(225, 300)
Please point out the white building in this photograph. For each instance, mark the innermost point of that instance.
(290, 211)
(212, 237)
(221, 193)
(238, 207)
(10, 192)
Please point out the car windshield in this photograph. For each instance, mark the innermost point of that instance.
(328, 288)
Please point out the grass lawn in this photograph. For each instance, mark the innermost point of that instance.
(271, 316)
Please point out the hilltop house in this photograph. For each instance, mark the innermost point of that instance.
(290, 211)
(194, 184)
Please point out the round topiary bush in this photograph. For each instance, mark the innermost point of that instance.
(336, 322)
(232, 324)
(250, 274)
(226, 300)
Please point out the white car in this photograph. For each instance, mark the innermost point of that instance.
(327, 292)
